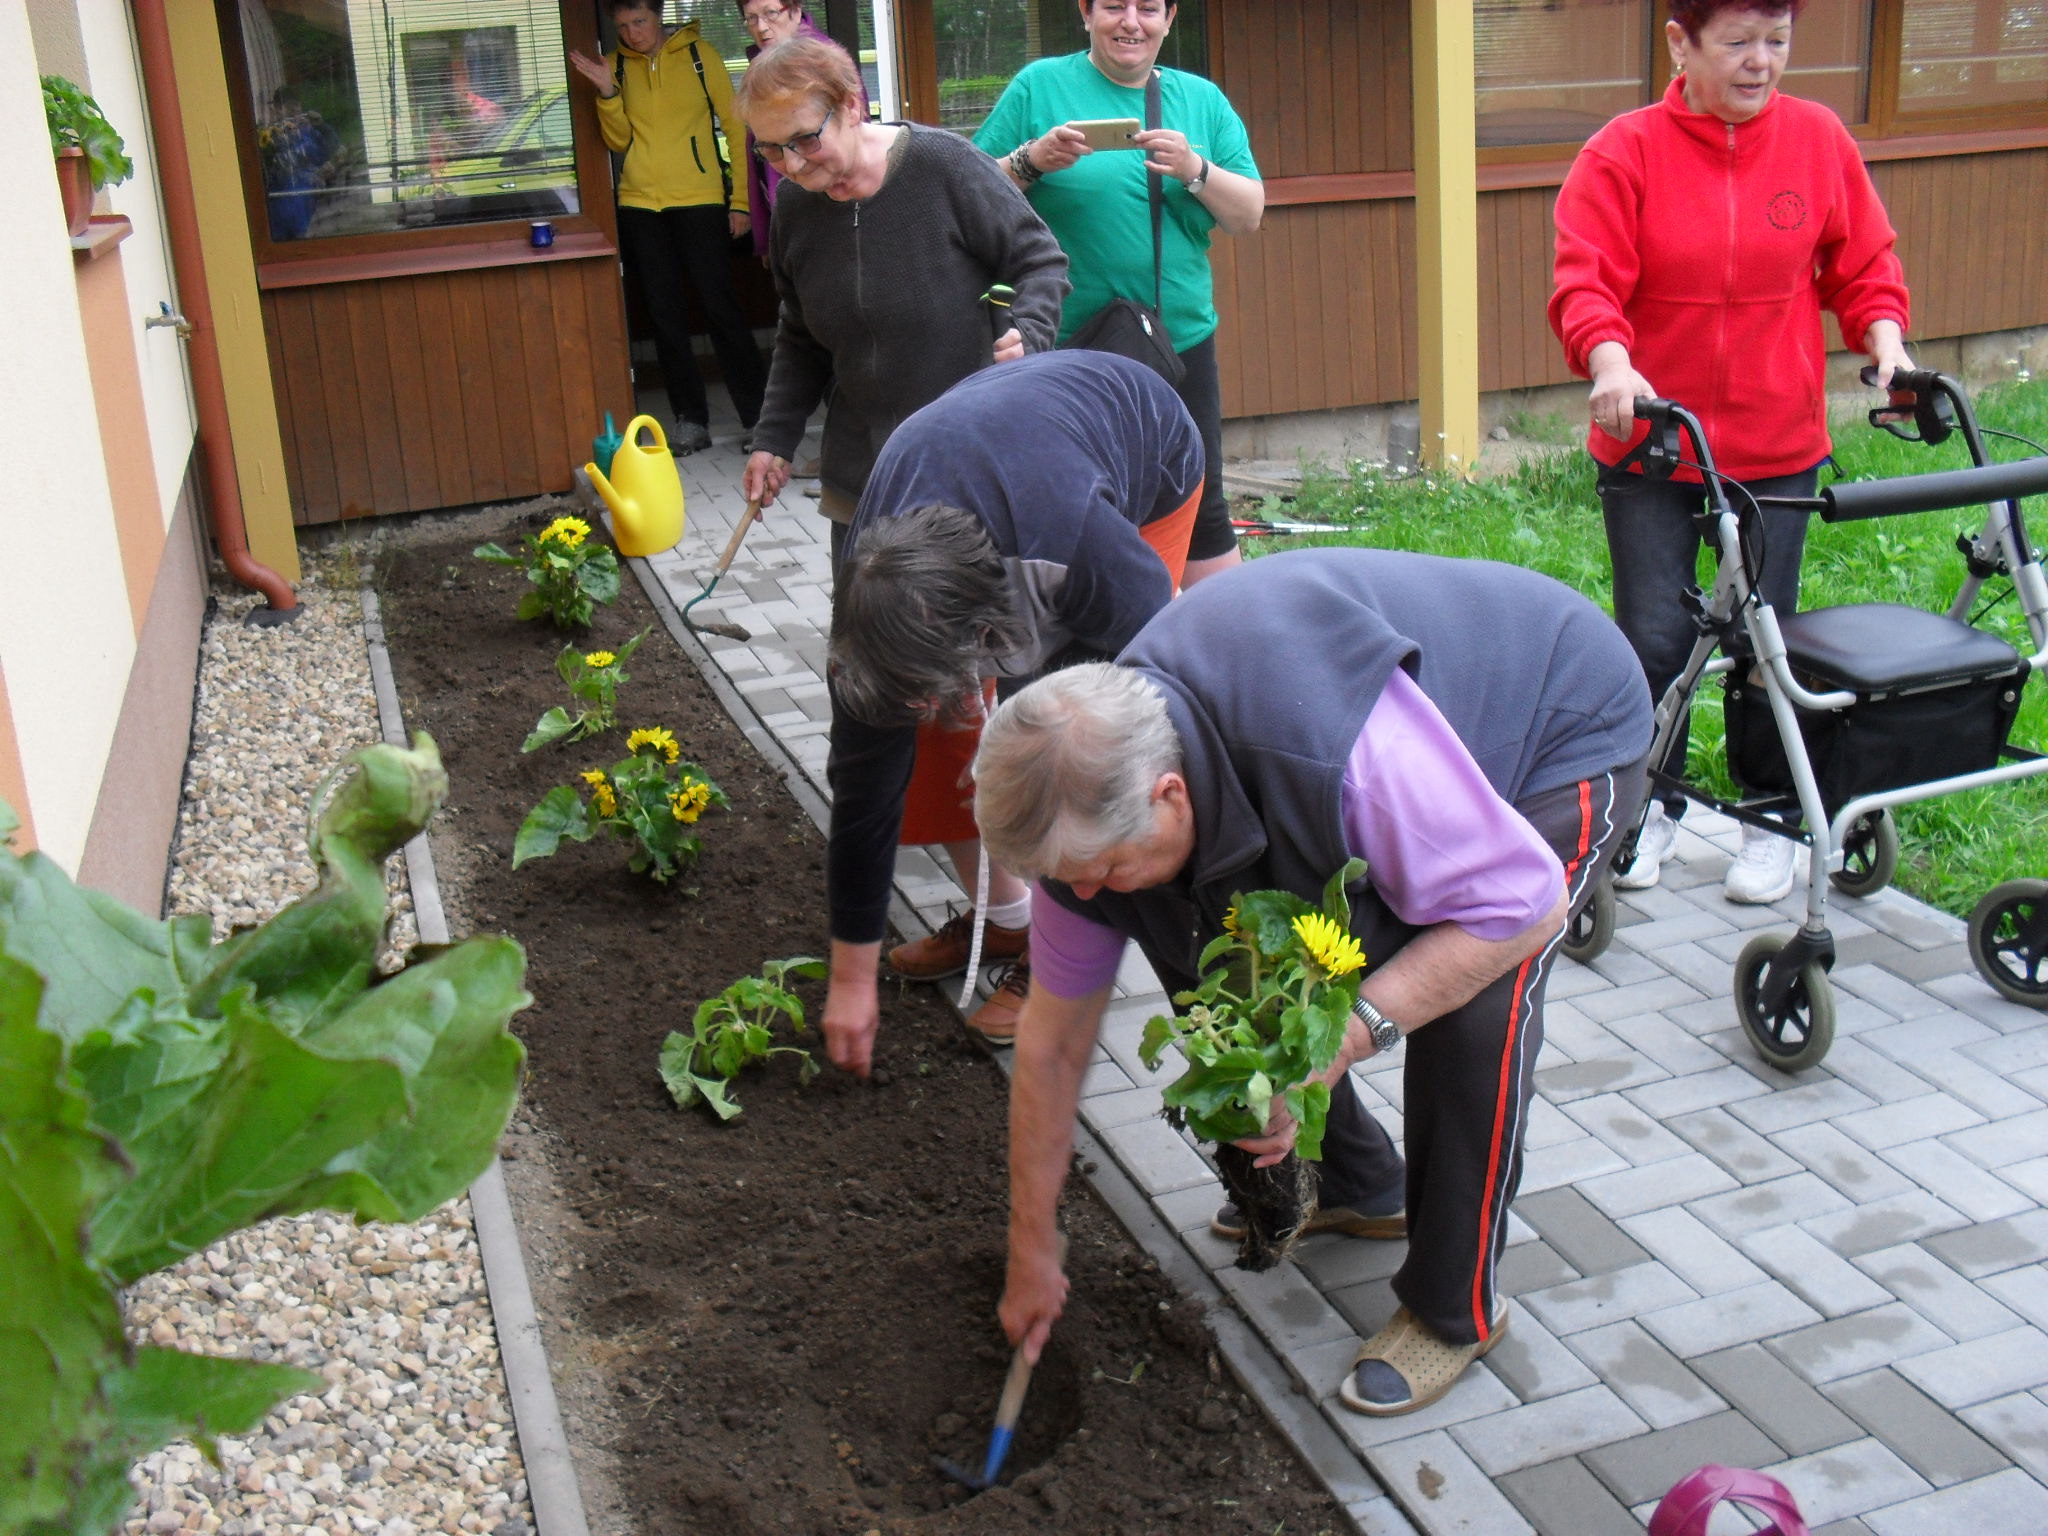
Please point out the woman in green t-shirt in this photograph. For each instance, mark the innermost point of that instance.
(1097, 204)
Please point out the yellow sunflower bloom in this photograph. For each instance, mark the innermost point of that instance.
(569, 531)
(601, 794)
(689, 801)
(657, 737)
(1333, 950)
(1230, 922)
(598, 659)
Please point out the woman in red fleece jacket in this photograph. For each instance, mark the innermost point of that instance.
(1698, 240)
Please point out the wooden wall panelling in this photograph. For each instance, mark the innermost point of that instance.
(441, 377)
(476, 365)
(601, 294)
(287, 429)
(1300, 67)
(531, 312)
(383, 450)
(572, 353)
(508, 360)
(1393, 83)
(296, 379)
(1344, 129)
(354, 494)
(420, 426)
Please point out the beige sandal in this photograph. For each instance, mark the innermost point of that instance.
(1414, 1366)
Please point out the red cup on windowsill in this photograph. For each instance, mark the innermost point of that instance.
(540, 234)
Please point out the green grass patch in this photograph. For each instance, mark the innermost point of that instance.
(1544, 515)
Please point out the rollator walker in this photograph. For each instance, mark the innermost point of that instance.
(1839, 714)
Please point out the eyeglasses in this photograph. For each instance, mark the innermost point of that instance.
(804, 144)
(768, 15)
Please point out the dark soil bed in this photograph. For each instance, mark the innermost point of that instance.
(775, 1325)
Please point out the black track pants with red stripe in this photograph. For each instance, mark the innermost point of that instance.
(1466, 1086)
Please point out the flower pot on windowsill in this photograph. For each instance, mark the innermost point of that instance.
(74, 180)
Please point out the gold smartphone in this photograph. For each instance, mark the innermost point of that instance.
(1108, 132)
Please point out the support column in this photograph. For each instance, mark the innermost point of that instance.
(1446, 232)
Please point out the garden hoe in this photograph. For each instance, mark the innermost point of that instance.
(1008, 1407)
(730, 631)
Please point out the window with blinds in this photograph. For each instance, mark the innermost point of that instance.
(1970, 54)
(381, 115)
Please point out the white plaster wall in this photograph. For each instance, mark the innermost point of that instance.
(66, 635)
(109, 36)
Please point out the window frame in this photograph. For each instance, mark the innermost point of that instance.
(592, 231)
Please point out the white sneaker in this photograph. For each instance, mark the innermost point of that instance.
(1764, 871)
(1660, 832)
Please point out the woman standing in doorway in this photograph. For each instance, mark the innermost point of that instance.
(770, 22)
(679, 207)
(1098, 205)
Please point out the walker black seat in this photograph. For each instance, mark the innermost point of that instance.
(1878, 649)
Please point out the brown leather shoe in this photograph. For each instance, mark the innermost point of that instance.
(996, 1020)
(1228, 1222)
(945, 952)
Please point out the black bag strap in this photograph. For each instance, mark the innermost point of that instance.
(724, 169)
(1156, 194)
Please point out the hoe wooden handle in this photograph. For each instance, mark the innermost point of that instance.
(739, 534)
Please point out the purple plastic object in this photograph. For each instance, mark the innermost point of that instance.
(1690, 1504)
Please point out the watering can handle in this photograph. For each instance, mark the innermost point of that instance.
(633, 433)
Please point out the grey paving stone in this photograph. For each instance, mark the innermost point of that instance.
(1475, 1395)
(2018, 1426)
(1607, 1298)
(2008, 1054)
(1690, 1250)
(1571, 980)
(1891, 1125)
(1366, 1306)
(1215, 1253)
(1695, 963)
(1671, 1182)
(1775, 1398)
(1788, 1107)
(1848, 1481)
(1913, 924)
(1651, 904)
(1993, 1096)
(1547, 1125)
(1335, 1262)
(1646, 1375)
(1733, 1317)
(1379, 1516)
(2005, 1501)
(1587, 1240)
(1121, 1107)
(1901, 1219)
(1563, 1495)
(1988, 1247)
(1851, 1527)
(1843, 1163)
(1814, 1272)
(1678, 1096)
(1440, 1488)
(1569, 1162)
(1531, 1267)
(1625, 968)
(1977, 1371)
(1318, 1368)
(1646, 1466)
(1674, 1048)
(1155, 1156)
(1104, 1077)
(1530, 1359)
(2030, 1177)
(1848, 1346)
(1923, 1282)
(1886, 988)
(1625, 1128)
(1191, 1208)
(1970, 993)
(1289, 1312)
(1914, 1039)
(2003, 1142)
(1925, 1435)
(1872, 1072)
(1546, 1430)
(1796, 1197)
(1660, 990)
(1654, 937)
(1955, 1180)
(1598, 1074)
(1734, 1145)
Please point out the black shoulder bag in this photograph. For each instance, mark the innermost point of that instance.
(1124, 326)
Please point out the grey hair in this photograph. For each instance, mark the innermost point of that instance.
(1066, 769)
(923, 600)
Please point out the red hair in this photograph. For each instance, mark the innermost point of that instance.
(1695, 14)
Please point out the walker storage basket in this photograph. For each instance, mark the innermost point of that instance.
(1874, 744)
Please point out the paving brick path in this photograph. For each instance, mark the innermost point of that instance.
(1836, 1277)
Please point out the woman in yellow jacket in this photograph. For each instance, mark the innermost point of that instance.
(679, 207)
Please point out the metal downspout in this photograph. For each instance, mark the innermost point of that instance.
(216, 437)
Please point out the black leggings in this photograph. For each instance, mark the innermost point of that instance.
(1466, 1086)
(665, 250)
(1201, 391)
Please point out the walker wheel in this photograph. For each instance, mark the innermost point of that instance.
(1591, 929)
(2009, 941)
(1799, 1031)
(1870, 856)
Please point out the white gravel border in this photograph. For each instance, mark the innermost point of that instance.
(414, 1431)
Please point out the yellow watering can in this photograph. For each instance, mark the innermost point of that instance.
(644, 492)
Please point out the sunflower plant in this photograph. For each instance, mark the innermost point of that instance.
(569, 573)
(733, 1029)
(1267, 1018)
(593, 678)
(651, 800)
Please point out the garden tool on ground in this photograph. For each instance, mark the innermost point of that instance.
(731, 631)
(1266, 527)
(1008, 1408)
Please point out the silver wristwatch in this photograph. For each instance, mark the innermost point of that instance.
(1200, 179)
(1386, 1034)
